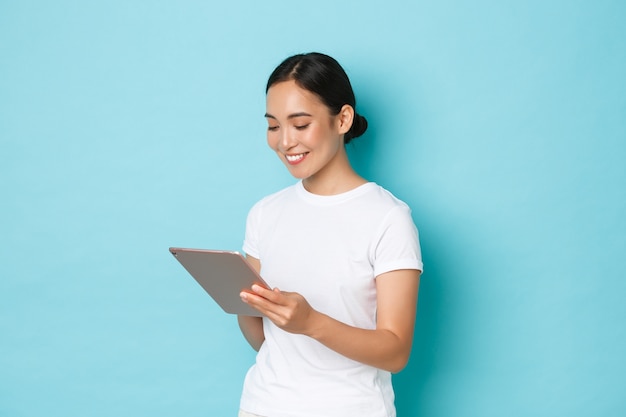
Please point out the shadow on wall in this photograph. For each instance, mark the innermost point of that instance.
(428, 344)
(395, 129)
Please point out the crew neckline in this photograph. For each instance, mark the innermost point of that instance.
(327, 200)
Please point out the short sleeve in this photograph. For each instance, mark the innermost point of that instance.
(397, 244)
(251, 239)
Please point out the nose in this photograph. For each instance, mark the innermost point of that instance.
(287, 140)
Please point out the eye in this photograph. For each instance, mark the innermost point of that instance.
(272, 128)
(302, 127)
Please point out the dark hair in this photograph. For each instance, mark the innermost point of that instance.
(323, 76)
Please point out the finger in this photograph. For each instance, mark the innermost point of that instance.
(259, 302)
(275, 295)
(272, 311)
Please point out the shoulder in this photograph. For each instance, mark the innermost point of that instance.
(276, 198)
(392, 214)
(384, 200)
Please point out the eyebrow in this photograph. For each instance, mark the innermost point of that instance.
(291, 116)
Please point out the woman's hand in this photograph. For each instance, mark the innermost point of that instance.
(288, 310)
(387, 347)
(252, 327)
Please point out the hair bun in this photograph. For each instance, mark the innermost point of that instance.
(359, 126)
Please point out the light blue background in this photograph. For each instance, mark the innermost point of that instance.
(127, 127)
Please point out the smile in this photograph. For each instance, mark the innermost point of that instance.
(295, 159)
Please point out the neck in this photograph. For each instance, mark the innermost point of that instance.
(336, 178)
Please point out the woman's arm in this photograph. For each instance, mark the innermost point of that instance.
(252, 327)
(387, 347)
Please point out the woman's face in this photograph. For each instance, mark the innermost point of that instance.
(302, 132)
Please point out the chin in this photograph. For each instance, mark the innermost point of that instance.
(298, 174)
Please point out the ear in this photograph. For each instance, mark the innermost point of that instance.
(345, 118)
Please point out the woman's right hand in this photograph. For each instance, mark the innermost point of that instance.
(288, 310)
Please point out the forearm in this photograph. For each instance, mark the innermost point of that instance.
(252, 329)
(380, 348)
(386, 347)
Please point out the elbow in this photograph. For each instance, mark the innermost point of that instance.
(398, 356)
(397, 363)
(398, 367)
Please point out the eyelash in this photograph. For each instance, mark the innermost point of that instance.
(275, 128)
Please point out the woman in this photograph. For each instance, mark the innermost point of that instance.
(341, 254)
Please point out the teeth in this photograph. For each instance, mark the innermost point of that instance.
(294, 158)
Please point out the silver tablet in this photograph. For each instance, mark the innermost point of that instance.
(222, 274)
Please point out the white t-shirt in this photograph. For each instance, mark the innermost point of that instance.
(329, 249)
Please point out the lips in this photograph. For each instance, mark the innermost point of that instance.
(295, 158)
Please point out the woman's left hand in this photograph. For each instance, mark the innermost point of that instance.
(288, 310)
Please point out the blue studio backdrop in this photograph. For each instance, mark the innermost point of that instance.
(127, 127)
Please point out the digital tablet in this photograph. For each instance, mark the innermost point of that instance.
(222, 274)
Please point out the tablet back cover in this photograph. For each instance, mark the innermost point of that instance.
(222, 274)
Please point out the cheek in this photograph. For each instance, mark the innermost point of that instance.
(323, 139)
(314, 137)
(272, 142)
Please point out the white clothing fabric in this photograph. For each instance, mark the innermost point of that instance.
(329, 249)
(243, 413)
